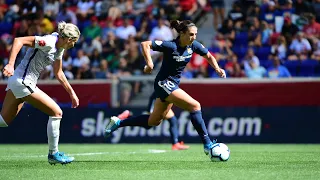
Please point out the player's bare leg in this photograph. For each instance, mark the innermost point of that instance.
(144, 120)
(10, 108)
(181, 99)
(43, 102)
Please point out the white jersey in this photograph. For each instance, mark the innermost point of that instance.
(36, 59)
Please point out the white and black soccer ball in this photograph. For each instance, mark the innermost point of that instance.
(219, 152)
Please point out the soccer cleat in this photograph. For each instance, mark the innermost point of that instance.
(59, 158)
(124, 115)
(207, 147)
(179, 146)
(112, 126)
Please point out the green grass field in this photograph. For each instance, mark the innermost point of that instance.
(157, 161)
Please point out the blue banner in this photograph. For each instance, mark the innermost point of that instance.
(229, 125)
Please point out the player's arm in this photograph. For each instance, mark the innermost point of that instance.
(146, 47)
(18, 42)
(59, 74)
(213, 62)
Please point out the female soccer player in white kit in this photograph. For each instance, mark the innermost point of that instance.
(44, 50)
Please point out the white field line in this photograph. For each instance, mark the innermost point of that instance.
(151, 151)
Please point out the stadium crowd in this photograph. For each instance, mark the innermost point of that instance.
(265, 38)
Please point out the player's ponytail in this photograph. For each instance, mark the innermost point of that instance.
(68, 30)
(181, 26)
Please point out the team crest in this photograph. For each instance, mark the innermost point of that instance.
(42, 43)
(189, 50)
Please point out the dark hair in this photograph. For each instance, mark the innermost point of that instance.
(181, 26)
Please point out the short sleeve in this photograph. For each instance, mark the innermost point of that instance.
(161, 45)
(59, 54)
(199, 48)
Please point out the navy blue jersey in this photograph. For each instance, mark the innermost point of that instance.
(175, 58)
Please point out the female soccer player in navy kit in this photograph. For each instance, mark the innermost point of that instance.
(176, 54)
(43, 51)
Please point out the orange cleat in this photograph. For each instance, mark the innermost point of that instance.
(179, 146)
(124, 115)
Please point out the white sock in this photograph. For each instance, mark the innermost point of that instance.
(2, 122)
(53, 132)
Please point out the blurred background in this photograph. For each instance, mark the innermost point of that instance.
(270, 50)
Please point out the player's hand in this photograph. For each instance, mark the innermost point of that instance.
(148, 69)
(8, 70)
(75, 100)
(221, 73)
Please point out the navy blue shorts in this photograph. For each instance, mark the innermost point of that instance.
(217, 3)
(164, 88)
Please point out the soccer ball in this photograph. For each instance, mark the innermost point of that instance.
(219, 152)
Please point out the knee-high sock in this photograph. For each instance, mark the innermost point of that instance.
(174, 132)
(198, 124)
(141, 120)
(53, 132)
(2, 122)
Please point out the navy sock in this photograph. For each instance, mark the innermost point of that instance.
(198, 124)
(174, 132)
(141, 120)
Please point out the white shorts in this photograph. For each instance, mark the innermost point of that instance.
(18, 88)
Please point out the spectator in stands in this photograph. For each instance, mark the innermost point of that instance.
(78, 62)
(266, 33)
(227, 31)
(302, 6)
(105, 30)
(143, 32)
(289, 30)
(161, 32)
(299, 48)
(84, 72)
(316, 7)
(316, 53)
(1, 67)
(66, 15)
(51, 8)
(277, 70)
(254, 33)
(312, 29)
(237, 15)
(95, 58)
(125, 87)
(250, 57)
(94, 30)
(255, 71)
(67, 65)
(123, 32)
(189, 7)
(280, 48)
(172, 9)
(102, 72)
(218, 12)
(12, 15)
(233, 67)
(270, 13)
(30, 8)
(85, 9)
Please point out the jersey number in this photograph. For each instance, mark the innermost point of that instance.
(169, 85)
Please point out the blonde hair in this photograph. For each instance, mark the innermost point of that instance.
(68, 30)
